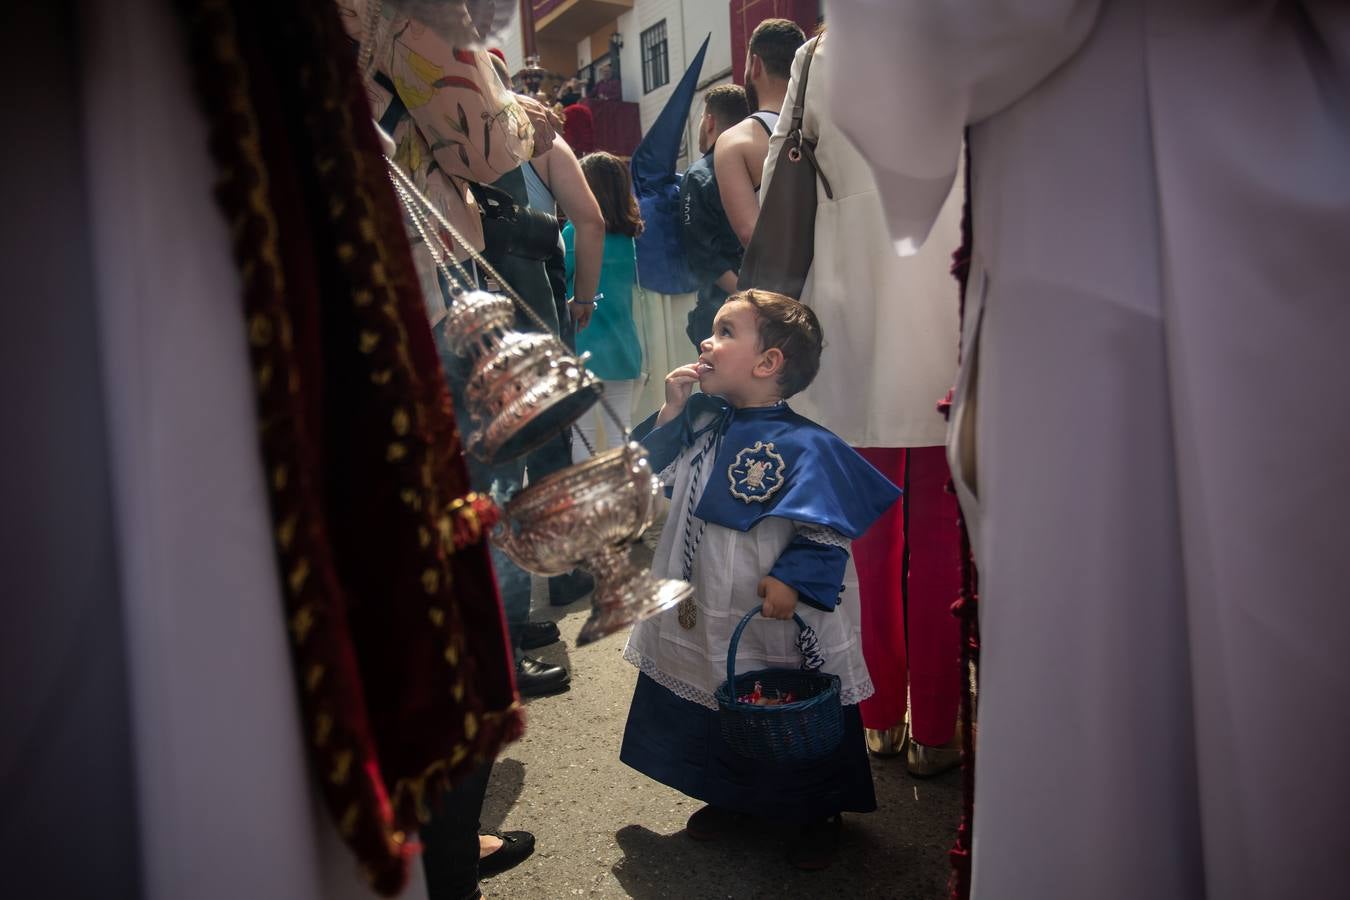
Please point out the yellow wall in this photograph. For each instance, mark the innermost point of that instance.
(558, 56)
(600, 39)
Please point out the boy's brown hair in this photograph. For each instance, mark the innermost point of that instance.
(793, 328)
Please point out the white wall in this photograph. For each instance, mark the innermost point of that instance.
(687, 23)
(514, 45)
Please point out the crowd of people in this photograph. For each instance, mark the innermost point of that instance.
(585, 284)
(841, 511)
(1051, 412)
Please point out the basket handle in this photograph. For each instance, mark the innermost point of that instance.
(735, 641)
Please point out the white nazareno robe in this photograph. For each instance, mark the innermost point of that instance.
(1156, 470)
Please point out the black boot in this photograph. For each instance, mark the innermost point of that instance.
(564, 590)
(536, 678)
(534, 635)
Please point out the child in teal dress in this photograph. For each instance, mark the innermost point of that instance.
(611, 337)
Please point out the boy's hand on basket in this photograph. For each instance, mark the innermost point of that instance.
(780, 600)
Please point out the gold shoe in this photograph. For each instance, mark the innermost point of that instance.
(924, 761)
(887, 741)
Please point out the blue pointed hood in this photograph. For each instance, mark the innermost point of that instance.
(661, 263)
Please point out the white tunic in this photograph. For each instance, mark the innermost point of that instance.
(1155, 472)
(890, 324)
(726, 574)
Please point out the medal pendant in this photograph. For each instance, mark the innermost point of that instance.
(687, 612)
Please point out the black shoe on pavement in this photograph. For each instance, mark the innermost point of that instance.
(712, 823)
(816, 845)
(566, 589)
(515, 849)
(534, 635)
(536, 678)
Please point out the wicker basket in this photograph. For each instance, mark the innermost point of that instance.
(807, 729)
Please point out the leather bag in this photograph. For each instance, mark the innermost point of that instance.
(780, 250)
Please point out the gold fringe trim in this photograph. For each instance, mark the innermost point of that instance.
(416, 788)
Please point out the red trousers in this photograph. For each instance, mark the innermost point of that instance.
(908, 578)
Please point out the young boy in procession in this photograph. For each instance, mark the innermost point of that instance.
(764, 505)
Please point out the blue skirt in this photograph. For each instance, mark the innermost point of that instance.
(679, 744)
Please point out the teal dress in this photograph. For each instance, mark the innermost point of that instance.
(611, 337)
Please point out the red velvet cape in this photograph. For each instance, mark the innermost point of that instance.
(403, 668)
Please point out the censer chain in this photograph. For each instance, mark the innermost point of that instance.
(442, 254)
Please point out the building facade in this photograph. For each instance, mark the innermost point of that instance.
(633, 52)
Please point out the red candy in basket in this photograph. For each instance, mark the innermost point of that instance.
(757, 698)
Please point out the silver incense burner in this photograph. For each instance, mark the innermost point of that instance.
(589, 515)
(524, 387)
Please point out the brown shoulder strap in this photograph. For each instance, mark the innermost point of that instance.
(799, 104)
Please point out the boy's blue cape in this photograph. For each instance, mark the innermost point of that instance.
(770, 461)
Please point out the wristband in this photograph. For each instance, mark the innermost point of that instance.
(598, 298)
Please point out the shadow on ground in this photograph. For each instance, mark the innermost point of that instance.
(605, 831)
(508, 782)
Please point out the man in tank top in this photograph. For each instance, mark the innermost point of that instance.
(741, 150)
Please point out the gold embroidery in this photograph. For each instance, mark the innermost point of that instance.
(313, 677)
(347, 825)
(470, 725)
(341, 767)
(431, 581)
(298, 575)
(401, 422)
(279, 478)
(286, 533)
(369, 340)
(323, 727)
(395, 452)
(381, 377)
(416, 788)
(755, 474)
(301, 623)
(437, 616)
(260, 330)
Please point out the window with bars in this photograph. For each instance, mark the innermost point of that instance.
(655, 57)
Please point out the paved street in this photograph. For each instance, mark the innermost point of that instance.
(605, 831)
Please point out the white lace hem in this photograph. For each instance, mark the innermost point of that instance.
(819, 534)
(681, 689)
(849, 695)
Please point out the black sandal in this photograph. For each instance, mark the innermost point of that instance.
(515, 849)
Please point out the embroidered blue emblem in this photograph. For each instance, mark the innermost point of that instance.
(756, 473)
